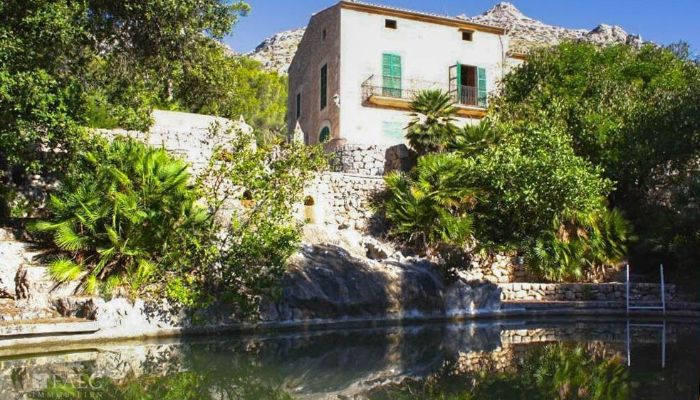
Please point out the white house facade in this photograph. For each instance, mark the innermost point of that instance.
(359, 65)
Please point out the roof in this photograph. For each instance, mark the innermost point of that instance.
(420, 16)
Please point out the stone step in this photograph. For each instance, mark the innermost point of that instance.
(553, 305)
(44, 327)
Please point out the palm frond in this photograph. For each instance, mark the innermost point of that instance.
(64, 270)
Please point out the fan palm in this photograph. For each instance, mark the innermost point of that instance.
(431, 208)
(119, 220)
(580, 243)
(432, 126)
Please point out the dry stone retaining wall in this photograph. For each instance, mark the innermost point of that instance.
(372, 160)
(345, 199)
(585, 292)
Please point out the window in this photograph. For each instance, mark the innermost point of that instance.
(468, 85)
(390, 23)
(298, 105)
(325, 135)
(324, 86)
(393, 129)
(467, 36)
(391, 75)
(323, 35)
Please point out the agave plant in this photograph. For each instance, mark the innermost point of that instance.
(116, 223)
(432, 126)
(431, 208)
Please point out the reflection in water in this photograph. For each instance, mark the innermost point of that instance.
(439, 361)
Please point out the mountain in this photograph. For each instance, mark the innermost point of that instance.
(276, 52)
(526, 33)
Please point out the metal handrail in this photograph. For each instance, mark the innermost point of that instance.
(408, 88)
(662, 295)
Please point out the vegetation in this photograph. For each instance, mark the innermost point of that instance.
(506, 187)
(431, 208)
(556, 371)
(251, 192)
(582, 138)
(117, 221)
(65, 66)
(634, 114)
(433, 121)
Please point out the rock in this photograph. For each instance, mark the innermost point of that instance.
(375, 252)
(328, 283)
(276, 53)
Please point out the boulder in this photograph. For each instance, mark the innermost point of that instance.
(327, 283)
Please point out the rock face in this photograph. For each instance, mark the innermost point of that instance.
(276, 52)
(328, 283)
(526, 33)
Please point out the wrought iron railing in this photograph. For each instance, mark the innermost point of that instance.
(407, 89)
(468, 95)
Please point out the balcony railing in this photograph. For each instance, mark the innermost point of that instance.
(407, 89)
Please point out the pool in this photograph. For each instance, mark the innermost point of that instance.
(527, 359)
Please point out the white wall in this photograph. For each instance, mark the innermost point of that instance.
(427, 51)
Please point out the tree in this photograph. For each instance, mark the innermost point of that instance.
(433, 123)
(634, 113)
(50, 51)
(214, 82)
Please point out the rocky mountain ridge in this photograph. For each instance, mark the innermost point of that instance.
(277, 51)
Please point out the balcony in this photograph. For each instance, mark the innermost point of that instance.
(397, 94)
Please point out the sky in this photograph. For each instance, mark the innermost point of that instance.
(660, 21)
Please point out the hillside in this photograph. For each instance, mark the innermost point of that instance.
(276, 52)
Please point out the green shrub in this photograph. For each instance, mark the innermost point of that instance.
(119, 218)
(579, 244)
(244, 257)
(430, 207)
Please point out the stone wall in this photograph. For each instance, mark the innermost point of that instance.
(358, 159)
(585, 292)
(502, 268)
(185, 134)
(372, 160)
(343, 199)
(399, 158)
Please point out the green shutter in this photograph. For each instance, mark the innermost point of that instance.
(482, 95)
(391, 75)
(458, 66)
(324, 86)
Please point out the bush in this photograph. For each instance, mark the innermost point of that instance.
(245, 255)
(635, 114)
(430, 207)
(579, 244)
(115, 221)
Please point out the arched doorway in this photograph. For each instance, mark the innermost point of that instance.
(325, 135)
(309, 210)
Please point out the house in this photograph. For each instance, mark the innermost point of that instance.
(359, 65)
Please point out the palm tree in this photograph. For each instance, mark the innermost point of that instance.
(432, 126)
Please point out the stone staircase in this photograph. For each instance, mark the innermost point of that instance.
(28, 297)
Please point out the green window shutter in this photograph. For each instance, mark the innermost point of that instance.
(391, 75)
(482, 95)
(324, 86)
